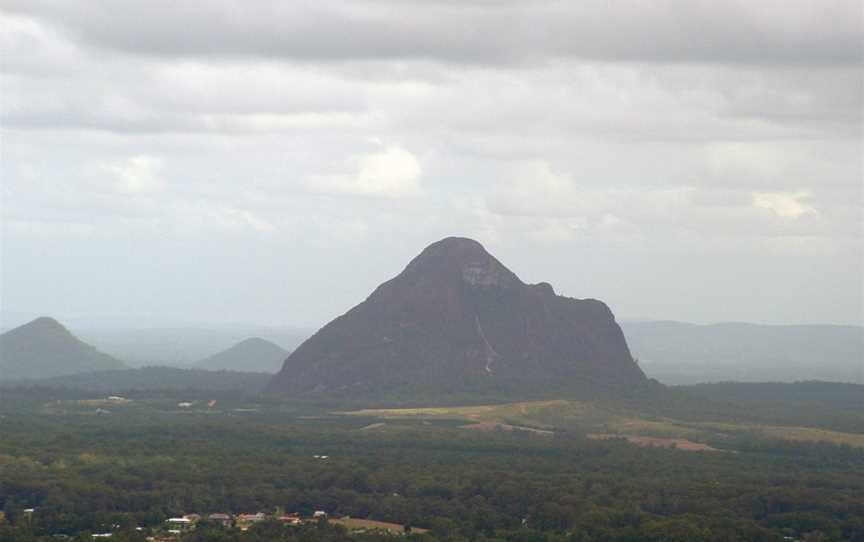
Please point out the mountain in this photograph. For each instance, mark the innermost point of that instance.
(43, 348)
(255, 355)
(683, 353)
(457, 320)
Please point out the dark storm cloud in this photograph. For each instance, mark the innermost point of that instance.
(494, 33)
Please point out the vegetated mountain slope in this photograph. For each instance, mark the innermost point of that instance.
(454, 320)
(255, 354)
(44, 348)
(682, 353)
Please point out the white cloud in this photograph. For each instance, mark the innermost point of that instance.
(391, 173)
(135, 175)
(791, 205)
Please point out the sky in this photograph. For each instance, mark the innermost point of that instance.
(272, 162)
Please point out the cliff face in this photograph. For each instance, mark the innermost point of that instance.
(457, 318)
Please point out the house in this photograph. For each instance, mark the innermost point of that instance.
(319, 514)
(290, 519)
(179, 525)
(220, 519)
(244, 521)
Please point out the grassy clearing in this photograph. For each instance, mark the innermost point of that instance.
(542, 414)
(560, 414)
(354, 524)
(812, 434)
(789, 432)
(658, 442)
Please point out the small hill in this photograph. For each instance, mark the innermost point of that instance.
(43, 348)
(254, 355)
(456, 320)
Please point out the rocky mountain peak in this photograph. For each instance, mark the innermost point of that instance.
(461, 259)
(456, 317)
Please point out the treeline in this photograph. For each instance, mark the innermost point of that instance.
(150, 378)
(833, 405)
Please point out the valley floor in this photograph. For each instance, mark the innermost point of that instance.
(74, 464)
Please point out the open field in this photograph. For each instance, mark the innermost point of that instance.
(494, 426)
(548, 417)
(658, 442)
(538, 414)
(812, 434)
(354, 524)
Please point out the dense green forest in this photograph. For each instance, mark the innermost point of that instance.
(90, 466)
(820, 404)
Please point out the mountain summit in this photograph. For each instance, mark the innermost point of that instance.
(254, 355)
(457, 320)
(43, 348)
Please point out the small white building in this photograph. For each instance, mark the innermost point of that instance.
(180, 524)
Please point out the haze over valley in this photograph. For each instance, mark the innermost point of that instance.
(671, 352)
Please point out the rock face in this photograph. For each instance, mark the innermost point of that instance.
(254, 355)
(44, 348)
(454, 319)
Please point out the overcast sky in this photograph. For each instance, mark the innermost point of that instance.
(214, 162)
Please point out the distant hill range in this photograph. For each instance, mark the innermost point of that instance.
(179, 345)
(148, 341)
(456, 321)
(250, 355)
(43, 348)
(682, 353)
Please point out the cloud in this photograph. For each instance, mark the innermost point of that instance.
(135, 175)
(551, 205)
(392, 172)
(607, 136)
(496, 33)
(790, 205)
